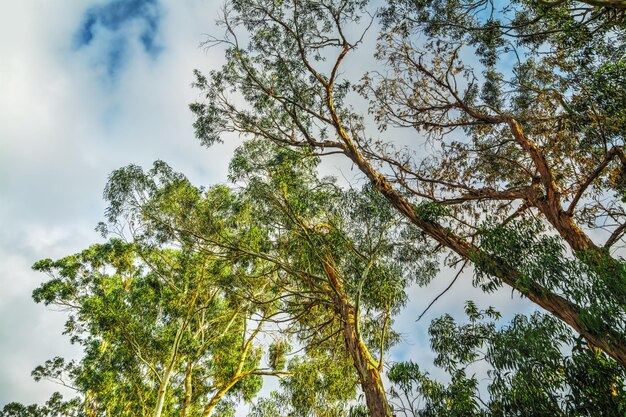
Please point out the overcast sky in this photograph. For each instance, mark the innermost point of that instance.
(87, 87)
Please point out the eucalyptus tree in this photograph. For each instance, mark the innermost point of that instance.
(160, 334)
(347, 256)
(336, 263)
(482, 115)
(218, 223)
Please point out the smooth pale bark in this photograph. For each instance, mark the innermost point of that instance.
(173, 359)
(165, 380)
(188, 390)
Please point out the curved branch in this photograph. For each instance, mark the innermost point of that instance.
(616, 151)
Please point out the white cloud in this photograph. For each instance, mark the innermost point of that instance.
(63, 129)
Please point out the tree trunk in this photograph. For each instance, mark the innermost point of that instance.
(220, 393)
(188, 388)
(162, 391)
(366, 366)
(168, 371)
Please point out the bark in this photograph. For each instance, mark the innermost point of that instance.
(231, 383)
(158, 410)
(162, 391)
(368, 369)
(551, 207)
(188, 390)
(221, 392)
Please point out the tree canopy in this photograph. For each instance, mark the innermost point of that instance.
(488, 135)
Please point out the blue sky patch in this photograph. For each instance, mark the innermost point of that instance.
(115, 25)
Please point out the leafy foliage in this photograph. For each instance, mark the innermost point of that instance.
(525, 367)
(528, 134)
(154, 321)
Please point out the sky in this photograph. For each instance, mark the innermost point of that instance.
(87, 88)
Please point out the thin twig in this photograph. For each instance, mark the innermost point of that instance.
(444, 291)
